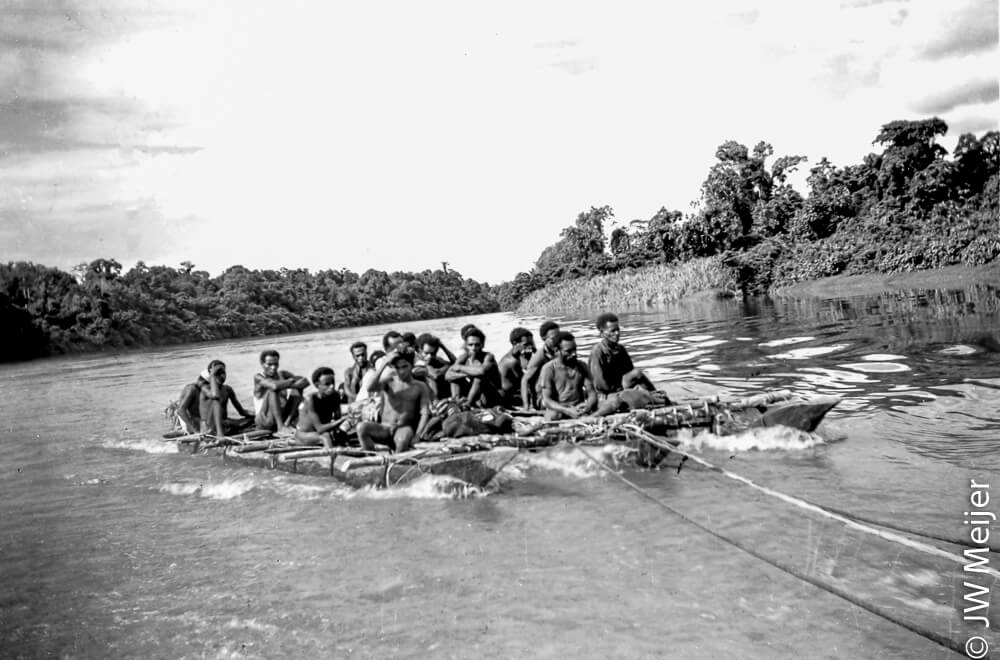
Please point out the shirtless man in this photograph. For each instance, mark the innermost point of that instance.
(390, 340)
(319, 413)
(474, 374)
(189, 405)
(214, 401)
(406, 406)
(354, 373)
(567, 388)
(276, 394)
(548, 332)
(431, 368)
(512, 366)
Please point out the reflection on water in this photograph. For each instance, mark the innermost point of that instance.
(114, 544)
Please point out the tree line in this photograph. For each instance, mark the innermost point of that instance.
(47, 311)
(909, 207)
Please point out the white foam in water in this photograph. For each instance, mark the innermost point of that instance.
(143, 445)
(698, 338)
(876, 367)
(877, 357)
(425, 487)
(568, 463)
(709, 367)
(225, 490)
(959, 349)
(786, 341)
(808, 352)
(760, 439)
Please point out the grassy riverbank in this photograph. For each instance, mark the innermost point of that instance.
(648, 286)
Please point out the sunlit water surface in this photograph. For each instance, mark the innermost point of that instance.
(112, 544)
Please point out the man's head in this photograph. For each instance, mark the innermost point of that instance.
(390, 340)
(359, 353)
(269, 361)
(464, 332)
(474, 341)
(403, 364)
(566, 345)
(217, 368)
(607, 326)
(548, 332)
(375, 357)
(409, 340)
(522, 342)
(324, 380)
(428, 346)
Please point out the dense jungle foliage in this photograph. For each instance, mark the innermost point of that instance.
(47, 311)
(909, 207)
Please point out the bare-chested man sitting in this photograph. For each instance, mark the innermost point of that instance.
(512, 366)
(567, 388)
(276, 394)
(319, 414)
(475, 375)
(214, 403)
(406, 405)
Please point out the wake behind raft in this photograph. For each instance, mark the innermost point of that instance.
(479, 444)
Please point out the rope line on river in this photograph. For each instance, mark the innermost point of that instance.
(926, 548)
(882, 612)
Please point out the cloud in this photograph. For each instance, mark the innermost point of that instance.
(973, 124)
(972, 92)
(972, 29)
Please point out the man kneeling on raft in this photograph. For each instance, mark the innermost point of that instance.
(406, 405)
(319, 414)
(567, 388)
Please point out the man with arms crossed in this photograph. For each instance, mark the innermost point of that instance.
(474, 374)
(612, 368)
(276, 394)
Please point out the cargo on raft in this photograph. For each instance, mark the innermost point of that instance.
(477, 459)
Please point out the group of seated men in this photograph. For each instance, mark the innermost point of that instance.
(392, 390)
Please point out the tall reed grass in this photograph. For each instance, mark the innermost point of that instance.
(649, 286)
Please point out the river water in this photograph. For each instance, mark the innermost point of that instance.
(114, 545)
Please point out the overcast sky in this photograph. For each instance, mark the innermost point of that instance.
(400, 135)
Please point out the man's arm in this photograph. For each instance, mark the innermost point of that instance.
(349, 386)
(231, 395)
(189, 392)
(377, 383)
(448, 354)
(530, 375)
(588, 387)
(425, 410)
(455, 372)
(284, 382)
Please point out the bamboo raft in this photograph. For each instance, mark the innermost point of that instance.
(476, 460)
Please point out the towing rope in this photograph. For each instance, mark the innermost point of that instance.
(872, 608)
(645, 436)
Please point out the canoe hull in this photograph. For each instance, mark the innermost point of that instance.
(476, 468)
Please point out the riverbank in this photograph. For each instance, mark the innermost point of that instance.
(949, 277)
(650, 286)
(654, 286)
